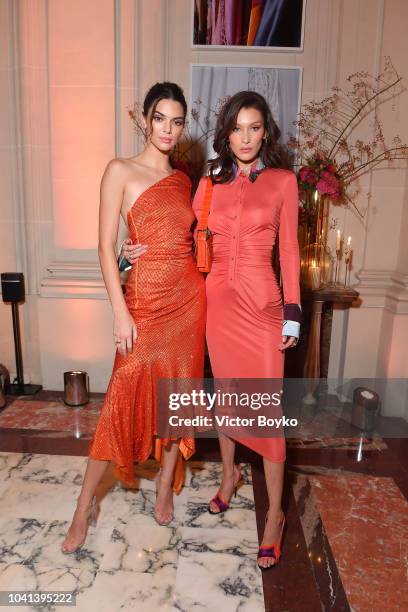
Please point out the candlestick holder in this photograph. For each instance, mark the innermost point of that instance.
(336, 272)
(336, 264)
(347, 263)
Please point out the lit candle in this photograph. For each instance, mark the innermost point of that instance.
(316, 195)
(338, 240)
(349, 252)
(314, 275)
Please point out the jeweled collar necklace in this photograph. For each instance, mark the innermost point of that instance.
(254, 171)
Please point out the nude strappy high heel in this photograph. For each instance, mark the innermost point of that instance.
(92, 514)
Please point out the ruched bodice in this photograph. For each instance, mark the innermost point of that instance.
(245, 219)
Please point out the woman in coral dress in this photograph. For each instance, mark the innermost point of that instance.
(254, 200)
(159, 323)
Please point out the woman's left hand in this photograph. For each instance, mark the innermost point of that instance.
(287, 342)
(132, 252)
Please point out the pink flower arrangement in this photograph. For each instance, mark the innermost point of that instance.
(308, 175)
(331, 160)
(329, 185)
(322, 176)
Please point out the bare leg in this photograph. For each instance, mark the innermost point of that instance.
(94, 473)
(95, 470)
(164, 501)
(227, 446)
(274, 473)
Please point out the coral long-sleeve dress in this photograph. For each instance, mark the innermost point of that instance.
(165, 294)
(244, 304)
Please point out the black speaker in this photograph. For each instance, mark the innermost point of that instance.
(12, 286)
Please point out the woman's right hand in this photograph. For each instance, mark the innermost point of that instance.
(124, 332)
(132, 252)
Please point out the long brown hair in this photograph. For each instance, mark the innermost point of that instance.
(272, 153)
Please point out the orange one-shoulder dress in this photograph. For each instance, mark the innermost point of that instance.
(165, 294)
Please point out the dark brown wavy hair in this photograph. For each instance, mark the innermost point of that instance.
(272, 153)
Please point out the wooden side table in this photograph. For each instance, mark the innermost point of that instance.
(312, 369)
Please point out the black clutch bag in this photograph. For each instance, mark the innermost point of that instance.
(123, 263)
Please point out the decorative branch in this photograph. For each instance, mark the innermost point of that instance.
(360, 110)
(331, 160)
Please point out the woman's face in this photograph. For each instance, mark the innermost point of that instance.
(246, 138)
(165, 126)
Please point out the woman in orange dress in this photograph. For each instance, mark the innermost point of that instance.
(159, 324)
(254, 200)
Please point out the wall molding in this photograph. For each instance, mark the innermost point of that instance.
(52, 278)
(383, 289)
(75, 270)
(73, 280)
(34, 199)
(118, 57)
(33, 223)
(69, 288)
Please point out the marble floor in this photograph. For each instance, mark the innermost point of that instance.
(128, 561)
(345, 548)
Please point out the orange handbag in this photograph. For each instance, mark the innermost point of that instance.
(203, 247)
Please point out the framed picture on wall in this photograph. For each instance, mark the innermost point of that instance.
(212, 84)
(249, 24)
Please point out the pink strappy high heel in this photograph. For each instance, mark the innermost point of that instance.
(273, 551)
(220, 503)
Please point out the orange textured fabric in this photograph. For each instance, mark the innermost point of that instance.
(165, 294)
(254, 21)
(244, 304)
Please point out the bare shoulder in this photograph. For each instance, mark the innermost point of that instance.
(114, 170)
(116, 174)
(133, 170)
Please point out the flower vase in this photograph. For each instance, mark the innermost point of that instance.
(315, 257)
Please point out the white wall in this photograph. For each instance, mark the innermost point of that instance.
(70, 69)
